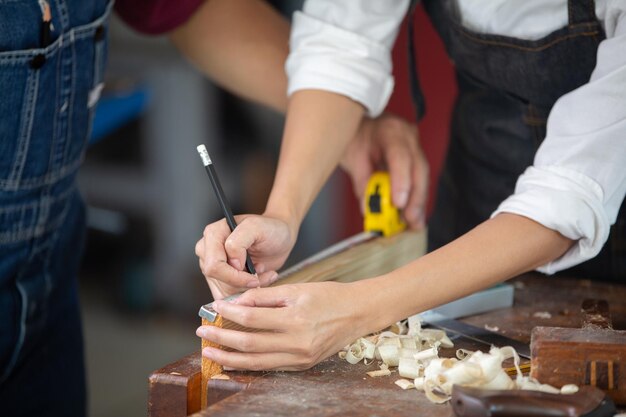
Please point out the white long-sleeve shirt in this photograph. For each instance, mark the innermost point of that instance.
(578, 179)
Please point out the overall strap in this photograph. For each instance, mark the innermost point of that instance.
(581, 11)
(416, 91)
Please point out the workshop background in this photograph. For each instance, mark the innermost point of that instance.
(149, 198)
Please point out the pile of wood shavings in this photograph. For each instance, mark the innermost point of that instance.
(415, 352)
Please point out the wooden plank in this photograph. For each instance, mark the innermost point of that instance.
(174, 390)
(331, 388)
(310, 393)
(372, 258)
(247, 393)
(590, 356)
(209, 368)
(369, 259)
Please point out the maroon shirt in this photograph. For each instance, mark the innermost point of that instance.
(156, 16)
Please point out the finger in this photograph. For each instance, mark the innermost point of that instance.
(252, 317)
(267, 278)
(214, 266)
(215, 259)
(240, 240)
(256, 361)
(415, 211)
(214, 286)
(225, 273)
(199, 249)
(260, 267)
(218, 271)
(399, 159)
(242, 341)
(266, 297)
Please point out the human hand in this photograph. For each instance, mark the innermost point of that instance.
(302, 325)
(390, 141)
(222, 254)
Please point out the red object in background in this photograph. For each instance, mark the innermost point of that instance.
(438, 84)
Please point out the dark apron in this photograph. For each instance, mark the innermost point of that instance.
(507, 87)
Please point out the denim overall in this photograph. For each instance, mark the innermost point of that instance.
(507, 87)
(48, 90)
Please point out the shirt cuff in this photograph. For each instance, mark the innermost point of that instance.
(565, 201)
(326, 57)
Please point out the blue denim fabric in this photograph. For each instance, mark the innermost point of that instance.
(47, 97)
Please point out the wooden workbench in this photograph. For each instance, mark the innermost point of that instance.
(335, 387)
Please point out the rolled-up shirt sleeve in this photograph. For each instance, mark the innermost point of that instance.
(345, 47)
(578, 180)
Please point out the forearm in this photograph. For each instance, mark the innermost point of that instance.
(318, 128)
(496, 250)
(240, 44)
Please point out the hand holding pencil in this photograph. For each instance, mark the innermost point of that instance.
(226, 249)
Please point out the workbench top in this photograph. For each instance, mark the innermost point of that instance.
(334, 387)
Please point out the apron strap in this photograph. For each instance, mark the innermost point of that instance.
(416, 92)
(581, 11)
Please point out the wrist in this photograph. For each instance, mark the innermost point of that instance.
(372, 309)
(389, 298)
(285, 215)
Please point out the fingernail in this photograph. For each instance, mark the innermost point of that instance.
(235, 264)
(217, 306)
(202, 332)
(253, 284)
(402, 198)
(274, 277)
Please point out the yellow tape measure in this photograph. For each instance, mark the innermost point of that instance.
(381, 215)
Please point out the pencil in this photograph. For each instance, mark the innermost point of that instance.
(221, 198)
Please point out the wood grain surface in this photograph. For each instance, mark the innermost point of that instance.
(594, 354)
(336, 388)
(369, 259)
(174, 390)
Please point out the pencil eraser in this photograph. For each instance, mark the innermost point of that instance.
(206, 159)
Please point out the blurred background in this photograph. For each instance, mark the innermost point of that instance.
(149, 198)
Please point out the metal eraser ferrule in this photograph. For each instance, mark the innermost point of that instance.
(207, 311)
(204, 154)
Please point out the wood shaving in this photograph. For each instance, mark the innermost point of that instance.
(491, 328)
(404, 384)
(409, 368)
(415, 351)
(569, 389)
(542, 315)
(379, 372)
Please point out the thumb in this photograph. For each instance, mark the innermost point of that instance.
(239, 242)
